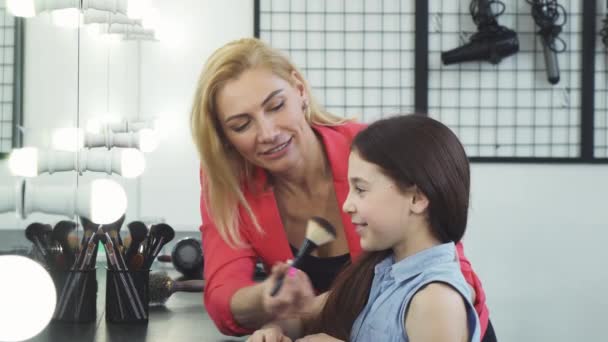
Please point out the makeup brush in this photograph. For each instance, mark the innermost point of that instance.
(60, 233)
(318, 232)
(138, 232)
(161, 287)
(38, 234)
(85, 258)
(161, 234)
(89, 228)
(113, 232)
(125, 278)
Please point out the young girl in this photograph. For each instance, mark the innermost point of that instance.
(409, 197)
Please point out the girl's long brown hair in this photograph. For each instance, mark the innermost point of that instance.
(411, 150)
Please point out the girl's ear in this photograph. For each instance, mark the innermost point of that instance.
(419, 202)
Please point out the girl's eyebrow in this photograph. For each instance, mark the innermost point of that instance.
(357, 180)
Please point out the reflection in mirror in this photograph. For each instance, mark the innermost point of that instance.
(50, 101)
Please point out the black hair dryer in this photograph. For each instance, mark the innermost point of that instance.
(492, 42)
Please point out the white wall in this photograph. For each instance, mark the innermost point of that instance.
(536, 231)
(169, 72)
(536, 239)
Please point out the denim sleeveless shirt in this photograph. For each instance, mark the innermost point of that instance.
(395, 284)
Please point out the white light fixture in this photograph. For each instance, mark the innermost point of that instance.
(66, 17)
(141, 36)
(98, 124)
(21, 8)
(130, 126)
(30, 162)
(68, 139)
(135, 9)
(29, 8)
(130, 30)
(28, 298)
(150, 18)
(102, 201)
(10, 196)
(144, 140)
(92, 16)
(74, 139)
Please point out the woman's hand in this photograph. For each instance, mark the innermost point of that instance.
(318, 338)
(269, 333)
(295, 297)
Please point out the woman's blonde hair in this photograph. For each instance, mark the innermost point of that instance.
(226, 172)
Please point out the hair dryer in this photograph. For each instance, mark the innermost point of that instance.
(491, 43)
(546, 14)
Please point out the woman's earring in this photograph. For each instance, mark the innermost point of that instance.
(304, 106)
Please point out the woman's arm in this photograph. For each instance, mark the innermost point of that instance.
(234, 301)
(227, 271)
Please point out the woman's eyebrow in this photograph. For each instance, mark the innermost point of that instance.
(268, 98)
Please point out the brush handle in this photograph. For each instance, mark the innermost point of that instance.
(126, 279)
(188, 286)
(132, 249)
(154, 250)
(121, 310)
(306, 248)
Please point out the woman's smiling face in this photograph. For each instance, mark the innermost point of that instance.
(263, 119)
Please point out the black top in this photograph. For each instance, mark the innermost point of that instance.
(322, 271)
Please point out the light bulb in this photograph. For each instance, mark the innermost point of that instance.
(93, 29)
(135, 9)
(132, 163)
(150, 18)
(21, 8)
(102, 201)
(108, 201)
(68, 139)
(94, 126)
(148, 140)
(24, 162)
(66, 17)
(28, 298)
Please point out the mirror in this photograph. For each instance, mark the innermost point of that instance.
(50, 101)
(76, 72)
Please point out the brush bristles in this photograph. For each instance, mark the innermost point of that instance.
(319, 231)
(159, 287)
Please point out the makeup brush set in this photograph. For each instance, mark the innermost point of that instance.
(129, 263)
(72, 266)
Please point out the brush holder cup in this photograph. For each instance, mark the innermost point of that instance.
(127, 296)
(76, 296)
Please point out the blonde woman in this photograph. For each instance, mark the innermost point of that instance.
(271, 158)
